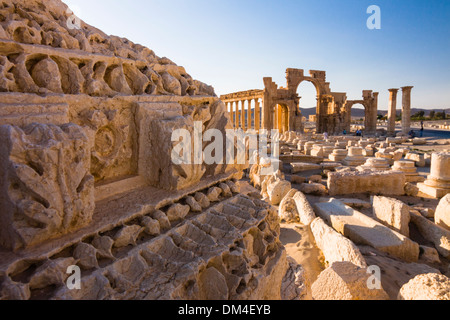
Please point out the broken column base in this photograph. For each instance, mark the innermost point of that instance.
(434, 192)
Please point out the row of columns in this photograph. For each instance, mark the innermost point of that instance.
(251, 113)
(406, 110)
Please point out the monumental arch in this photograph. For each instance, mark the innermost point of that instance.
(278, 107)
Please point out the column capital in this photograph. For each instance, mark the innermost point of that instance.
(407, 88)
(393, 90)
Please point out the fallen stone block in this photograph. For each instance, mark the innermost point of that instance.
(301, 166)
(375, 182)
(278, 190)
(392, 213)
(313, 188)
(345, 281)
(432, 232)
(297, 179)
(305, 211)
(335, 247)
(442, 214)
(287, 210)
(418, 158)
(362, 229)
(430, 286)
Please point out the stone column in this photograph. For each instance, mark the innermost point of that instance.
(406, 109)
(236, 118)
(438, 182)
(257, 115)
(243, 115)
(232, 111)
(392, 112)
(374, 113)
(249, 115)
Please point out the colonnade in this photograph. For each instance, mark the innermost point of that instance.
(243, 115)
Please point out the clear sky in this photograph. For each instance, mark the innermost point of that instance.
(233, 44)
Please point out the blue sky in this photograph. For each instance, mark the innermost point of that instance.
(233, 44)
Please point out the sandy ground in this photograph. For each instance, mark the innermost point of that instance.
(300, 245)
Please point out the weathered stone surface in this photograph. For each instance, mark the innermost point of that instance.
(52, 272)
(334, 246)
(103, 245)
(162, 218)
(417, 158)
(429, 255)
(287, 210)
(86, 255)
(392, 213)
(430, 286)
(151, 226)
(202, 199)
(362, 229)
(277, 190)
(297, 179)
(442, 213)
(12, 290)
(127, 235)
(294, 286)
(198, 260)
(213, 285)
(233, 186)
(432, 232)
(300, 167)
(411, 189)
(313, 188)
(305, 211)
(177, 212)
(213, 194)
(46, 189)
(345, 281)
(193, 204)
(226, 190)
(375, 182)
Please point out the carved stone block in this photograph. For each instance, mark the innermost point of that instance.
(46, 189)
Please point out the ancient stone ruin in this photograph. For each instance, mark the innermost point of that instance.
(89, 182)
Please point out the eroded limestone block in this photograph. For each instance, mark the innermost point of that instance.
(193, 204)
(287, 210)
(375, 182)
(151, 226)
(442, 214)
(430, 286)
(213, 194)
(46, 187)
(202, 199)
(313, 188)
(103, 245)
(277, 190)
(335, 246)
(392, 213)
(362, 229)
(86, 254)
(304, 209)
(432, 232)
(127, 235)
(345, 281)
(52, 272)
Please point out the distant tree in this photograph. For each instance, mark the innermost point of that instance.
(380, 116)
(432, 114)
(420, 115)
(440, 115)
